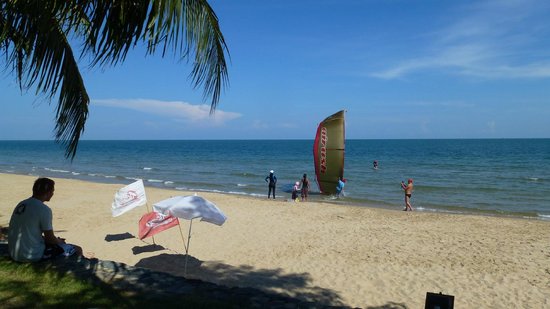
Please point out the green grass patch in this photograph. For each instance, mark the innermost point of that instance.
(34, 285)
(26, 285)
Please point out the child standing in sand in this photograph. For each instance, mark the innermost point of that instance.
(295, 190)
(408, 188)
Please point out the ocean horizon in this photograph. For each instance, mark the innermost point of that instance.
(507, 177)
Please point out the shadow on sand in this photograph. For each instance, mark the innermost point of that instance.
(118, 237)
(269, 280)
(148, 248)
(297, 285)
(390, 305)
(166, 279)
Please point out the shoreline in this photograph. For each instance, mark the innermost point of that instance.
(314, 251)
(498, 182)
(350, 202)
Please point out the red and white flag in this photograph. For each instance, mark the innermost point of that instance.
(129, 197)
(154, 222)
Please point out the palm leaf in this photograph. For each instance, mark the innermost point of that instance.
(184, 27)
(42, 56)
(33, 37)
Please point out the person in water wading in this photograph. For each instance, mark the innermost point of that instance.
(340, 186)
(272, 183)
(305, 187)
(408, 188)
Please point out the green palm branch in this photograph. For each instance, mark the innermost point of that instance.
(35, 37)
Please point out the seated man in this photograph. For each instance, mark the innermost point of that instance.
(30, 234)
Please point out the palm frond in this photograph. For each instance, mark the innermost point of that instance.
(33, 37)
(37, 47)
(184, 27)
(210, 68)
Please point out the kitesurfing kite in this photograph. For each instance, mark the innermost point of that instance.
(328, 152)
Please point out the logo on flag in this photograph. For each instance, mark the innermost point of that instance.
(153, 223)
(129, 197)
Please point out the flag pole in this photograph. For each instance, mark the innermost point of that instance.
(187, 247)
(147, 205)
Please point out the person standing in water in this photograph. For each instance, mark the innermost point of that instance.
(305, 187)
(408, 188)
(375, 164)
(340, 186)
(272, 183)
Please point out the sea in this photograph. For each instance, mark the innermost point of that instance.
(506, 177)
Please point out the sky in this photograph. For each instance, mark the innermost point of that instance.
(401, 69)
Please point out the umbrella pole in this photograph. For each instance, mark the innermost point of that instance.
(187, 248)
(182, 239)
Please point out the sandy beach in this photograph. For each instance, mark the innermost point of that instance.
(340, 255)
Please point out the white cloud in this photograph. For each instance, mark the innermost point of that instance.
(176, 110)
(491, 39)
(258, 124)
(425, 126)
(288, 125)
(438, 104)
(491, 125)
(262, 125)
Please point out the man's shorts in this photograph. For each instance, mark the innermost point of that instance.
(53, 251)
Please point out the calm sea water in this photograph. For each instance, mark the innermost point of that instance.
(493, 176)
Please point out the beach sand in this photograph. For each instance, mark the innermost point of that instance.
(332, 254)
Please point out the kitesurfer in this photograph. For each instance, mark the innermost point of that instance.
(272, 182)
(340, 186)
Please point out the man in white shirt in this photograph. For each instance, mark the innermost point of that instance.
(30, 235)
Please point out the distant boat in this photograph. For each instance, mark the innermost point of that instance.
(328, 152)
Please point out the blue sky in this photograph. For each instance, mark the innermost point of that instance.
(401, 69)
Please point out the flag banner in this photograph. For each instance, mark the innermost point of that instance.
(153, 223)
(129, 197)
(191, 207)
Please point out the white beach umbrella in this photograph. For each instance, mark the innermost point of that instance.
(190, 207)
